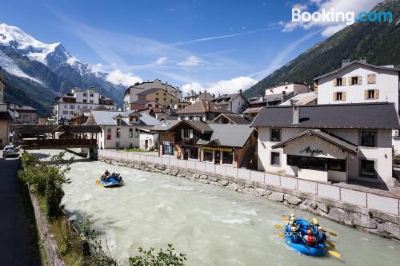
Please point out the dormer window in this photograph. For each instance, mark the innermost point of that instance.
(186, 133)
(118, 121)
(339, 82)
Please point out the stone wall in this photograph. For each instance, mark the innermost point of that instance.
(370, 212)
(49, 244)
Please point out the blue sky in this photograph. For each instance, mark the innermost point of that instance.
(220, 45)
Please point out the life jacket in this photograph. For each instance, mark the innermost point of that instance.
(310, 240)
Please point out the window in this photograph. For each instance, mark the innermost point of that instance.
(354, 80)
(337, 165)
(275, 158)
(186, 133)
(91, 95)
(156, 99)
(194, 153)
(227, 157)
(368, 168)
(131, 132)
(72, 106)
(339, 82)
(371, 78)
(108, 133)
(84, 94)
(91, 101)
(368, 138)
(157, 93)
(65, 112)
(165, 99)
(71, 112)
(118, 121)
(208, 156)
(84, 100)
(275, 134)
(167, 148)
(338, 96)
(312, 163)
(118, 133)
(371, 94)
(136, 133)
(292, 160)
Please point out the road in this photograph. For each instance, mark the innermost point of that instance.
(18, 240)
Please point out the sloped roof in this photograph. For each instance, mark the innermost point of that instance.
(360, 63)
(228, 135)
(350, 147)
(107, 118)
(361, 115)
(151, 85)
(202, 127)
(302, 98)
(202, 107)
(234, 118)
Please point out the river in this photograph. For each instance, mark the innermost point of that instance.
(212, 225)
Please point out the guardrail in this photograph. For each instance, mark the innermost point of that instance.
(364, 199)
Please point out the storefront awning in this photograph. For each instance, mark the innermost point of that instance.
(351, 148)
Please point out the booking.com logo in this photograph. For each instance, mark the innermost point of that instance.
(333, 16)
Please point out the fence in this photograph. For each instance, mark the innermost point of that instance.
(369, 200)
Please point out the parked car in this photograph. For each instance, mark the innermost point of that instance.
(10, 151)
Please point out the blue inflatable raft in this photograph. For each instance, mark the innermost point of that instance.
(318, 250)
(111, 181)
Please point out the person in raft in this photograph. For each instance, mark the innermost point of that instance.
(309, 239)
(105, 175)
(317, 231)
(295, 235)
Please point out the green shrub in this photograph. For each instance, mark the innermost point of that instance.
(162, 258)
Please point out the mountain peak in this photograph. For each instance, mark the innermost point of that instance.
(18, 39)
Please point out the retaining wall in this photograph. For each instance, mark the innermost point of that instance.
(368, 211)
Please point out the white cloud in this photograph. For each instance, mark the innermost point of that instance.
(118, 78)
(161, 60)
(222, 86)
(190, 61)
(329, 28)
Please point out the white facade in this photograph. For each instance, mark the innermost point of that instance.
(359, 83)
(287, 88)
(78, 102)
(381, 155)
(114, 137)
(148, 140)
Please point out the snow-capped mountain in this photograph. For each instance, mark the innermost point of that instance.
(31, 64)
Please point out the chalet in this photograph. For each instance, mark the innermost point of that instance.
(201, 111)
(212, 143)
(234, 102)
(235, 119)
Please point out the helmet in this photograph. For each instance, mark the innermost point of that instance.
(309, 232)
(314, 221)
(293, 229)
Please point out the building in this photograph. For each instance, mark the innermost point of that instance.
(23, 114)
(148, 140)
(234, 103)
(212, 143)
(201, 111)
(156, 91)
(79, 101)
(234, 119)
(202, 96)
(5, 120)
(120, 129)
(360, 82)
(287, 89)
(328, 143)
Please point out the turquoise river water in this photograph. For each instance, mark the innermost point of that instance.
(212, 225)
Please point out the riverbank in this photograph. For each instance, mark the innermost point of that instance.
(369, 212)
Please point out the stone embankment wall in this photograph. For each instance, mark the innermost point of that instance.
(371, 212)
(49, 244)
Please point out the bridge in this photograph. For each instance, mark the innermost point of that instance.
(30, 137)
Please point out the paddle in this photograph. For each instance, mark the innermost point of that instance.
(278, 226)
(334, 254)
(330, 244)
(329, 232)
(281, 235)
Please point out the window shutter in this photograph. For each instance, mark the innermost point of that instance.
(182, 133)
(366, 95)
(334, 82)
(349, 79)
(344, 81)
(371, 78)
(191, 133)
(359, 80)
(376, 94)
(334, 96)
(344, 96)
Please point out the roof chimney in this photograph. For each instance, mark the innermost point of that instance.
(296, 112)
(363, 60)
(345, 62)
